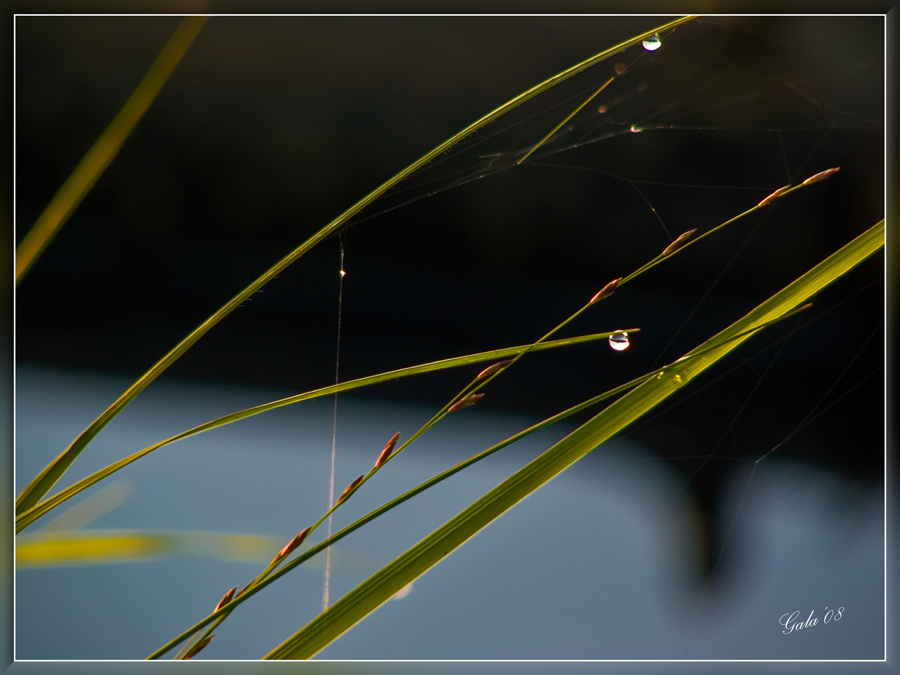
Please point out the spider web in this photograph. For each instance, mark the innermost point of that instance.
(478, 251)
(727, 111)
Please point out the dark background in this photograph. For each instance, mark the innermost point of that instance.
(271, 126)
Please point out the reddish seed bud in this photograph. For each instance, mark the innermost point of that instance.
(290, 546)
(490, 370)
(822, 175)
(225, 599)
(680, 241)
(471, 399)
(243, 590)
(347, 490)
(198, 647)
(606, 291)
(388, 449)
(775, 195)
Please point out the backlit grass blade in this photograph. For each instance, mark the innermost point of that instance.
(99, 547)
(384, 508)
(42, 483)
(376, 590)
(106, 147)
(26, 518)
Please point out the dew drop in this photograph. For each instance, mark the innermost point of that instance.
(619, 341)
(343, 273)
(635, 129)
(620, 68)
(651, 44)
(602, 109)
(403, 592)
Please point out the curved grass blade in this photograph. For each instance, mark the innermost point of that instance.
(376, 590)
(99, 547)
(381, 510)
(26, 518)
(104, 500)
(106, 147)
(42, 483)
(253, 588)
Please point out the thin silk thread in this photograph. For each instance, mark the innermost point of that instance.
(337, 370)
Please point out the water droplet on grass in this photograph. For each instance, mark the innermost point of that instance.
(619, 341)
(635, 129)
(651, 44)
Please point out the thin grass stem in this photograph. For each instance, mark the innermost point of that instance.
(106, 147)
(270, 575)
(29, 516)
(42, 483)
(567, 118)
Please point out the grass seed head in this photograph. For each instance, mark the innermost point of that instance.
(606, 291)
(471, 399)
(388, 449)
(680, 241)
(348, 490)
(822, 175)
(225, 599)
(290, 547)
(775, 195)
(490, 370)
(197, 648)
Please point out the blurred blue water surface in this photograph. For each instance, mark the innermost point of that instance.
(596, 565)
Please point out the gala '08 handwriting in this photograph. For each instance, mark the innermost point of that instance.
(792, 621)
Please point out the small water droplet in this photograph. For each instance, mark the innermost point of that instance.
(651, 44)
(602, 109)
(635, 129)
(678, 378)
(343, 273)
(403, 592)
(619, 341)
(660, 375)
(620, 68)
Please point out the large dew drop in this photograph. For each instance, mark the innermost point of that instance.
(651, 44)
(619, 341)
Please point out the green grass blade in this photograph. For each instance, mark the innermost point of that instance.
(29, 516)
(106, 147)
(384, 508)
(376, 590)
(42, 483)
(101, 547)
(220, 615)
